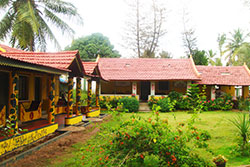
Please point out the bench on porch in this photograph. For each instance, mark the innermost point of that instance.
(30, 110)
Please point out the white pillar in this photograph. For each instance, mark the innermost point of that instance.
(134, 88)
(152, 88)
(213, 96)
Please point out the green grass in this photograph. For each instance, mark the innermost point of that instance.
(223, 133)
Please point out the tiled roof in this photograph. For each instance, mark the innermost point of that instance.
(58, 60)
(218, 75)
(117, 69)
(89, 67)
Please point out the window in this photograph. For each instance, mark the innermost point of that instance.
(164, 85)
(23, 88)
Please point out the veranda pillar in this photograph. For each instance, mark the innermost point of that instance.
(134, 88)
(97, 93)
(213, 95)
(70, 97)
(152, 88)
(89, 95)
(51, 113)
(13, 100)
(78, 95)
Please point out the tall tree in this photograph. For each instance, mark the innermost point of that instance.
(143, 33)
(244, 55)
(91, 46)
(221, 39)
(236, 40)
(26, 22)
(199, 57)
(188, 35)
(165, 54)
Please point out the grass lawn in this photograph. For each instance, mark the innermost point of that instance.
(223, 134)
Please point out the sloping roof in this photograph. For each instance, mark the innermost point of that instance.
(58, 60)
(218, 75)
(89, 67)
(118, 69)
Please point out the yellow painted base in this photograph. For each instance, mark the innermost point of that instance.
(73, 120)
(94, 113)
(7, 145)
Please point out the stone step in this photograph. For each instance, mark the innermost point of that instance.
(144, 107)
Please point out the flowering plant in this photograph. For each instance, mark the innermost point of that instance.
(147, 142)
(219, 160)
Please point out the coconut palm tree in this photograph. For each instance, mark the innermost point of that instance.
(221, 39)
(26, 22)
(234, 43)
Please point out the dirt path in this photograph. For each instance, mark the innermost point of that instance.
(58, 148)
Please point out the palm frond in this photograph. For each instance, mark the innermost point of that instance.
(4, 3)
(65, 8)
(58, 22)
(26, 13)
(47, 32)
(6, 25)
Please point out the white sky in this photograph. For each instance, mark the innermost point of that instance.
(207, 17)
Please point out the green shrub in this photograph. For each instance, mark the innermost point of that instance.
(130, 104)
(183, 103)
(173, 95)
(166, 104)
(148, 142)
(152, 101)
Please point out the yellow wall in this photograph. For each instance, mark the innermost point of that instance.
(26, 138)
(228, 89)
(245, 91)
(114, 88)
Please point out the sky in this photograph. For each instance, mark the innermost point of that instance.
(207, 17)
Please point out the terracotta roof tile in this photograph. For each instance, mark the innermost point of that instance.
(89, 67)
(147, 69)
(218, 75)
(58, 60)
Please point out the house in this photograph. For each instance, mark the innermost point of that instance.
(224, 80)
(147, 77)
(30, 93)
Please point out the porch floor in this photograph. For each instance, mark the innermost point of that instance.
(34, 124)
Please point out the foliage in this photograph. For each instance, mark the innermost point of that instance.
(91, 46)
(236, 40)
(166, 104)
(147, 142)
(193, 94)
(9, 129)
(25, 23)
(242, 124)
(224, 103)
(219, 160)
(244, 104)
(165, 55)
(107, 101)
(152, 101)
(130, 104)
(93, 100)
(200, 57)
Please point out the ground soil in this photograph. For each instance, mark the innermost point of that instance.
(61, 147)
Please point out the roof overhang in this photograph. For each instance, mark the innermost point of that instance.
(29, 66)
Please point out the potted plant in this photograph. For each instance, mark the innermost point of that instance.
(220, 161)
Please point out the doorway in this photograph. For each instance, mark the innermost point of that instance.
(145, 90)
(4, 90)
